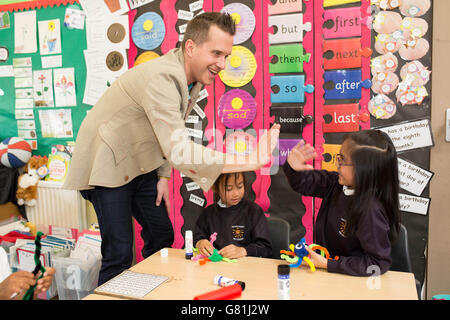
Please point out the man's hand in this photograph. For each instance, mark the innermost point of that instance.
(162, 188)
(258, 158)
(266, 145)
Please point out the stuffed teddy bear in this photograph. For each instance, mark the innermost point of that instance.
(27, 182)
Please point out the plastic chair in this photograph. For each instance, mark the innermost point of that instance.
(279, 231)
(401, 260)
(400, 252)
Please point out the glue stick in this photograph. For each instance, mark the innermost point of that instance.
(225, 282)
(284, 282)
(188, 244)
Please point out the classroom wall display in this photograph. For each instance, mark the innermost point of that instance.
(401, 106)
(289, 79)
(320, 68)
(48, 71)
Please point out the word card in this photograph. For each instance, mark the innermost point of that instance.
(413, 178)
(291, 89)
(289, 28)
(287, 58)
(344, 53)
(414, 204)
(410, 135)
(344, 84)
(342, 118)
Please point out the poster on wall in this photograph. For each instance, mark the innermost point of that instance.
(25, 32)
(49, 37)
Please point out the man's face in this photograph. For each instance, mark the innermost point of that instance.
(208, 58)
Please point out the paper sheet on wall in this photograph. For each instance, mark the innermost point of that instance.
(111, 63)
(101, 8)
(64, 85)
(5, 20)
(413, 178)
(6, 71)
(74, 19)
(49, 37)
(116, 7)
(51, 61)
(112, 32)
(197, 200)
(24, 114)
(103, 67)
(43, 88)
(25, 32)
(414, 204)
(95, 86)
(56, 123)
(94, 8)
(26, 124)
(27, 134)
(138, 3)
(410, 135)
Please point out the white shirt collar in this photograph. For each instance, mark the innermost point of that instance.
(222, 205)
(348, 191)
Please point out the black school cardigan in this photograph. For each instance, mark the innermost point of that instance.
(366, 252)
(243, 225)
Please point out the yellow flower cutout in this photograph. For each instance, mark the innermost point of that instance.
(51, 26)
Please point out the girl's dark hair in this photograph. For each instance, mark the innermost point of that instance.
(375, 165)
(198, 28)
(223, 179)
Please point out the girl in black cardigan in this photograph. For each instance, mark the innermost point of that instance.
(240, 224)
(359, 215)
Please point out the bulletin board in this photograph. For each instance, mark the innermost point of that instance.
(320, 68)
(73, 42)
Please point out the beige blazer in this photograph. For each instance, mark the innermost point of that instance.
(137, 126)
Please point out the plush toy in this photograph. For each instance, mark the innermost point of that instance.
(35, 170)
(39, 164)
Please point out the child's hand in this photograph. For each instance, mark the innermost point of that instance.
(204, 247)
(233, 252)
(301, 154)
(317, 259)
(16, 283)
(45, 282)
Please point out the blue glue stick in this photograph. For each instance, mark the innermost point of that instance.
(188, 245)
(283, 282)
(225, 282)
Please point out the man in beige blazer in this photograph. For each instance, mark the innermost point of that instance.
(129, 140)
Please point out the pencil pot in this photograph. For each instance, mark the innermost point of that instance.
(76, 278)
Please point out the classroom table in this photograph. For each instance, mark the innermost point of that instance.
(188, 279)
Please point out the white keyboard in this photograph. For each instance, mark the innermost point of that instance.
(131, 284)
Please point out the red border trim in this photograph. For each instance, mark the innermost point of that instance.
(34, 5)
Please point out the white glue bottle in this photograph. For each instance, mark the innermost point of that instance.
(188, 239)
(284, 282)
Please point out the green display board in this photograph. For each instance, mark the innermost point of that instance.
(73, 42)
